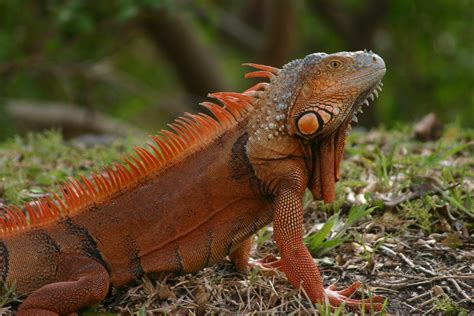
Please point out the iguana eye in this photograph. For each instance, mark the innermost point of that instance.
(335, 64)
(308, 123)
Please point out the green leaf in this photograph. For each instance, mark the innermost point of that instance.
(317, 239)
(358, 212)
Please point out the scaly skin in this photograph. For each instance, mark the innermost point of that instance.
(198, 195)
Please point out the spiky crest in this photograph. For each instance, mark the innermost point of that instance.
(186, 134)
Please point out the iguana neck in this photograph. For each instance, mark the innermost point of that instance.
(269, 120)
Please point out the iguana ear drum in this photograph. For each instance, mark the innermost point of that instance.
(308, 123)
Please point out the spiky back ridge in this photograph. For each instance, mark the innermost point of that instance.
(187, 134)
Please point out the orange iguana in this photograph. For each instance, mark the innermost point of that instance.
(198, 192)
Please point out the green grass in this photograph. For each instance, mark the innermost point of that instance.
(30, 166)
(387, 179)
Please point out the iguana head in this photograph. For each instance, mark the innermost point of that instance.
(313, 96)
(313, 100)
(332, 89)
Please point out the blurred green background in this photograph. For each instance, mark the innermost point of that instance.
(77, 64)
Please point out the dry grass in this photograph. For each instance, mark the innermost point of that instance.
(416, 247)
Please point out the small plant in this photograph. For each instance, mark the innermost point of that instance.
(262, 236)
(418, 213)
(7, 294)
(448, 307)
(332, 234)
(384, 164)
(371, 310)
(325, 309)
(462, 202)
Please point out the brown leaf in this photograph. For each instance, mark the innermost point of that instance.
(201, 296)
(428, 128)
(370, 238)
(444, 226)
(165, 293)
(437, 290)
(452, 240)
(340, 260)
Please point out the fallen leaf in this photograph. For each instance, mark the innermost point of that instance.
(444, 226)
(428, 128)
(201, 296)
(437, 290)
(452, 240)
(165, 293)
(370, 238)
(339, 260)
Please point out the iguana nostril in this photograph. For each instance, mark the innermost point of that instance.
(374, 59)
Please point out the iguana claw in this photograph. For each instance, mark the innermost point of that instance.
(268, 264)
(338, 297)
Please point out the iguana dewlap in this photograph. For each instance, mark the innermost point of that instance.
(197, 193)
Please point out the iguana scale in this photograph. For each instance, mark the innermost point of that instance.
(198, 192)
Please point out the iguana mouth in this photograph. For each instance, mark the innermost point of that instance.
(327, 152)
(364, 100)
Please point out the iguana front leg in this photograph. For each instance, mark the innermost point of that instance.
(296, 261)
(82, 282)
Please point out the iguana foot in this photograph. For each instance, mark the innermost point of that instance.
(338, 297)
(242, 261)
(267, 265)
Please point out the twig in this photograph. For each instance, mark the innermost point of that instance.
(400, 284)
(431, 300)
(396, 286)
(273, 287)
(313, 310)
(240, 296)
(275, 309)
(414, 298)
(248, 298)
(465, 285)
(458, 288)
(412, 307)
(463, 301)
(388, 251)
(384, 289)
(414, 266)
(442, 277)
(429, 311)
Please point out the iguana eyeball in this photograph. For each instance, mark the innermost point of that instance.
(308, 123)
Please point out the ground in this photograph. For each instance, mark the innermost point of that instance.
(402, 224)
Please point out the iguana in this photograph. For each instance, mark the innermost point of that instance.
(198, 192)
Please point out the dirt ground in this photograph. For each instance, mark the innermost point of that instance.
(416, 274)
(413, 243)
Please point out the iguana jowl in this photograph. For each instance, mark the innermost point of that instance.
(199, 192)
